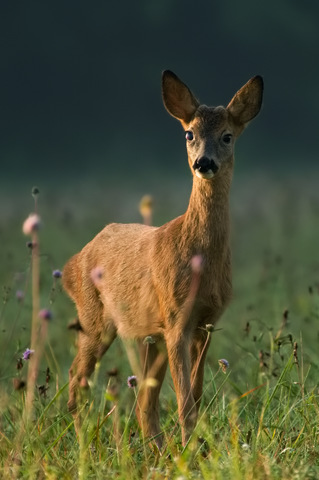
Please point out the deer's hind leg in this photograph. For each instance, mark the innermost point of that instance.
(153, 358)
(95, 337)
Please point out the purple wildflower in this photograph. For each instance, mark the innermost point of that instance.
(45, 314)
(27, 354)
(132, 381)
(224, 364)
(56, 274)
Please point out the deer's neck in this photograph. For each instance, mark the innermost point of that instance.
(206, 222)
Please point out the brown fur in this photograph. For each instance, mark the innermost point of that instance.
(146, 276)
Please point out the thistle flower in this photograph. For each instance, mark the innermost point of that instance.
(27, 354)
(56, 274)
(132, 381)
(31, 224)
(223, 364)
(45, 314)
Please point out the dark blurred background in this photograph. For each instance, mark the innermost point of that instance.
(82, 118)
(80, 84)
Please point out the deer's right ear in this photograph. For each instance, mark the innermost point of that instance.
(177, 97)
(245, 105)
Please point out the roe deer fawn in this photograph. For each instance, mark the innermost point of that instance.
(145, 273)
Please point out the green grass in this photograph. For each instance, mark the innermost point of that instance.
(258, 420)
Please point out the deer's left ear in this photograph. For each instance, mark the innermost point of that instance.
(245, 105)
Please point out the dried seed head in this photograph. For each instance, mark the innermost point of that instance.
(247, 328)
(209, 327)
(43, 390)
(35, 192)
(19, 363)
(148, 340)
(146, 208)
(18, 384)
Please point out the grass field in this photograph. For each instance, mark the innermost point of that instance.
(258, 420)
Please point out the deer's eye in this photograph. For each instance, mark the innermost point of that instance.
(227, 138)
(189, 135)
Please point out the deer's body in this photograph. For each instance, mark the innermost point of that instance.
(145, 273)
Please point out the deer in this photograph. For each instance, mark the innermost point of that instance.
(143, 274)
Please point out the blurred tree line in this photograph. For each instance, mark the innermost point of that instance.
(80, 81)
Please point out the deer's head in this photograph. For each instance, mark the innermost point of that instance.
(211, 131)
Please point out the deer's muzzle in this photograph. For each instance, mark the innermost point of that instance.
(205, 167)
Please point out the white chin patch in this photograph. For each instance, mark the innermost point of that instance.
(207, 175)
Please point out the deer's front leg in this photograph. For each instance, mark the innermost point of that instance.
(154, 364)
(179, 361)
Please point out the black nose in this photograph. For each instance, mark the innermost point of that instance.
(204, 164)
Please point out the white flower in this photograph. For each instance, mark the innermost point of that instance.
(31, 224)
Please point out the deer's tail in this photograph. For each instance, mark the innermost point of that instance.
(71, 277)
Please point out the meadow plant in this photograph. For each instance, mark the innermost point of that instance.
(146, 209)
(259, 413)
